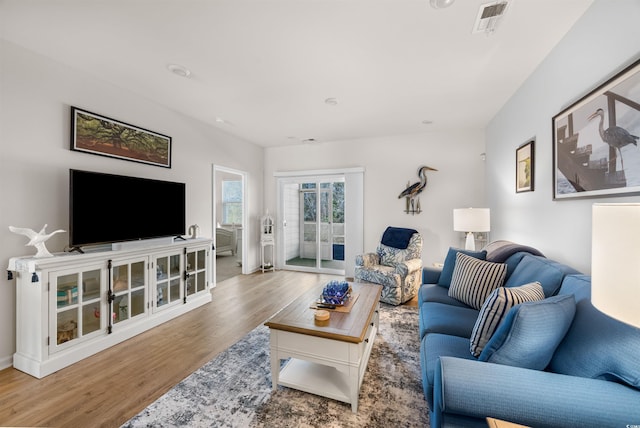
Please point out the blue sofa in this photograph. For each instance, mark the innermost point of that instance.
(556, 361)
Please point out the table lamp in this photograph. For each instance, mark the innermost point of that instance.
(615, 252)
(471, 220)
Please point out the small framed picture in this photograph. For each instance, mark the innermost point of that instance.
(525, 167)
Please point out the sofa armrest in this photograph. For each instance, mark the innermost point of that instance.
(431, 275)
(367, 259)
(529, 397)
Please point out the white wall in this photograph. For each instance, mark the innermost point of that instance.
(35, 95)
(389, 163)
(603, 41)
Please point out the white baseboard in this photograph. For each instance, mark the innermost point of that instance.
(6, 362)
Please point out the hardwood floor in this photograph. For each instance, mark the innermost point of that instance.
(109, 388)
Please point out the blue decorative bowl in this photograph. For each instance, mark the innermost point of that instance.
(336, 292)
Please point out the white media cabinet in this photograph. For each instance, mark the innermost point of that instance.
(72, 305)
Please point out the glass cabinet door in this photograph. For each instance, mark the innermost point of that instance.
(168, 279)
(196, 271)
(78, 306)
(128, 284)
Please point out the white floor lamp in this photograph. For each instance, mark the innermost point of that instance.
(471, 220)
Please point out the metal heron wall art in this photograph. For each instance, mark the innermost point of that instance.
(413, 190)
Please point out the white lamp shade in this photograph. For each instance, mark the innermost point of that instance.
(471, 220)
(615, 261)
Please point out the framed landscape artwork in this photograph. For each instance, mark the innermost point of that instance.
(595, 141)
(525, 167)
(103, 136)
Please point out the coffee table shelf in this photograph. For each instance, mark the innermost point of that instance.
(315, 379)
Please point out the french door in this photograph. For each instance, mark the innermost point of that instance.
(313, 224)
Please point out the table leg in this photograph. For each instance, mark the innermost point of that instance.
(354, 388)
(275, 362)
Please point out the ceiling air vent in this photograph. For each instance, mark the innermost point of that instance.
(489, 16)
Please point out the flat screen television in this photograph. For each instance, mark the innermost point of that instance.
(107, 208)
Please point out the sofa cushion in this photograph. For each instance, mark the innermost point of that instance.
(578, 285)
(473, 280)
(447, 319)
(436, 293)
(450, 262)
(600, 347)
(547, 272)
(496, 307)
(434, 346)
(530, 333)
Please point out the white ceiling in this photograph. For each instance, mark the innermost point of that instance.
(266, 66)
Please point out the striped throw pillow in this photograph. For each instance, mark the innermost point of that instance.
(496, 307)
(473, 280)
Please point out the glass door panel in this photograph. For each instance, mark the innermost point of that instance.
(129, 280)
(77, 305)
(174, 287)
(137, 302)
(138, 275)
(91, 301)
(168, 280)
(196, 267)
(120, 309)
(91, 317)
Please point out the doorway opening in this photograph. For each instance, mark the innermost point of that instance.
(229, 222)
(314, 224)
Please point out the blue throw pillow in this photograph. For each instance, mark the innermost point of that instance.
(530, 333)
(450, 263)
(496, 308)
(599, 347)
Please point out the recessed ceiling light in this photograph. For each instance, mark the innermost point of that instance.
(310, 141)
(179, 70)
(440, 4)
(331, 101)
(427, 122)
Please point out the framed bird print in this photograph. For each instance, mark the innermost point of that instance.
(595, 141)
(525, 167)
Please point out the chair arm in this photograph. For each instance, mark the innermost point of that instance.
(409, 266)
(367, 259)
(431, 275)
(530, 397)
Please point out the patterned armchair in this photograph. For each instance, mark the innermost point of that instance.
(396, 265)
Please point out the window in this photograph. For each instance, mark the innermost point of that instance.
(232, 202)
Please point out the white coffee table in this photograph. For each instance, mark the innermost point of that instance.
(325, 358)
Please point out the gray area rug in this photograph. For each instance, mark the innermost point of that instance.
(234, 389)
